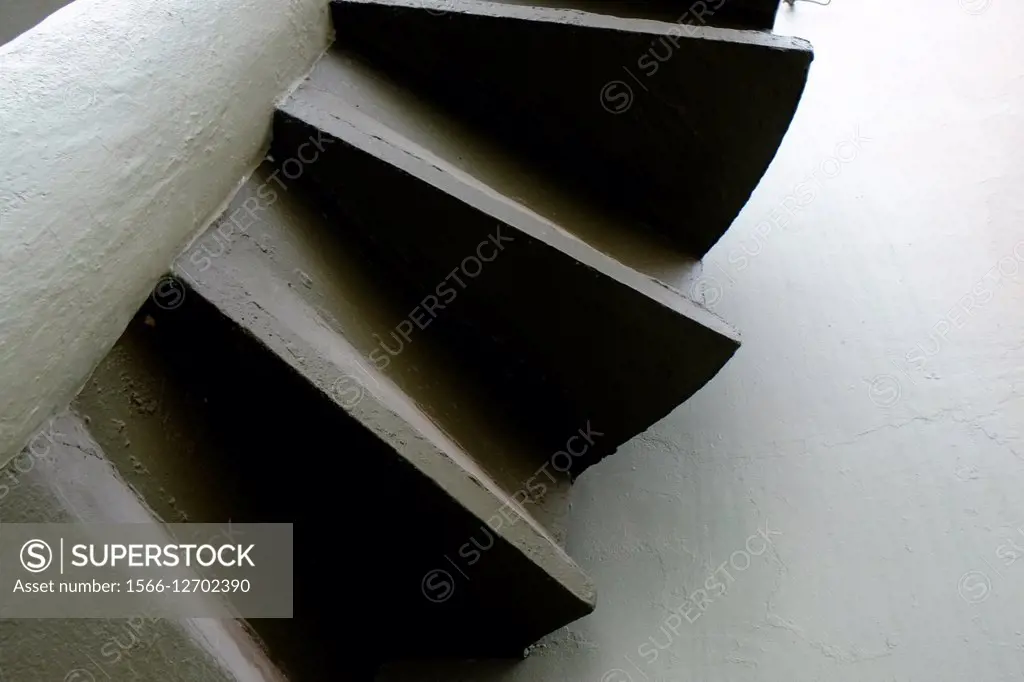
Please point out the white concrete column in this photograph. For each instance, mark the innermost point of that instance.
(125, 125)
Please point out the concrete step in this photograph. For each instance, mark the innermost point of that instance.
(743, 14)
(615, 346)
(671, 124)
(253, 366)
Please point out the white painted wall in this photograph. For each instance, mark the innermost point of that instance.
(124, 127)
(896, 490)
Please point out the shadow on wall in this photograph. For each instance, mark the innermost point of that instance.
(18, 16)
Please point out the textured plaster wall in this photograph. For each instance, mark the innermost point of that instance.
(872, 421)
(124, 126)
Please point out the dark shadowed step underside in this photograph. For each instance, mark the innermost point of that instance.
(671, 124)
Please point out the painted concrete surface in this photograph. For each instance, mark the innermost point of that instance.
(871, 424)
(124, 126)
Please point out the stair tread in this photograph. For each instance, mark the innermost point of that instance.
(699, 129)
(354, 102)
(266, 282)
(620, 346)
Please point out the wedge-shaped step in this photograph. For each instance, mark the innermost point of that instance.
(615, 348)
(746, 14)
(413, 474)
(675, 124)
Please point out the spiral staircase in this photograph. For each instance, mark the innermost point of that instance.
(464, 274)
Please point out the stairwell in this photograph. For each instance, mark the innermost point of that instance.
(464, 274)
